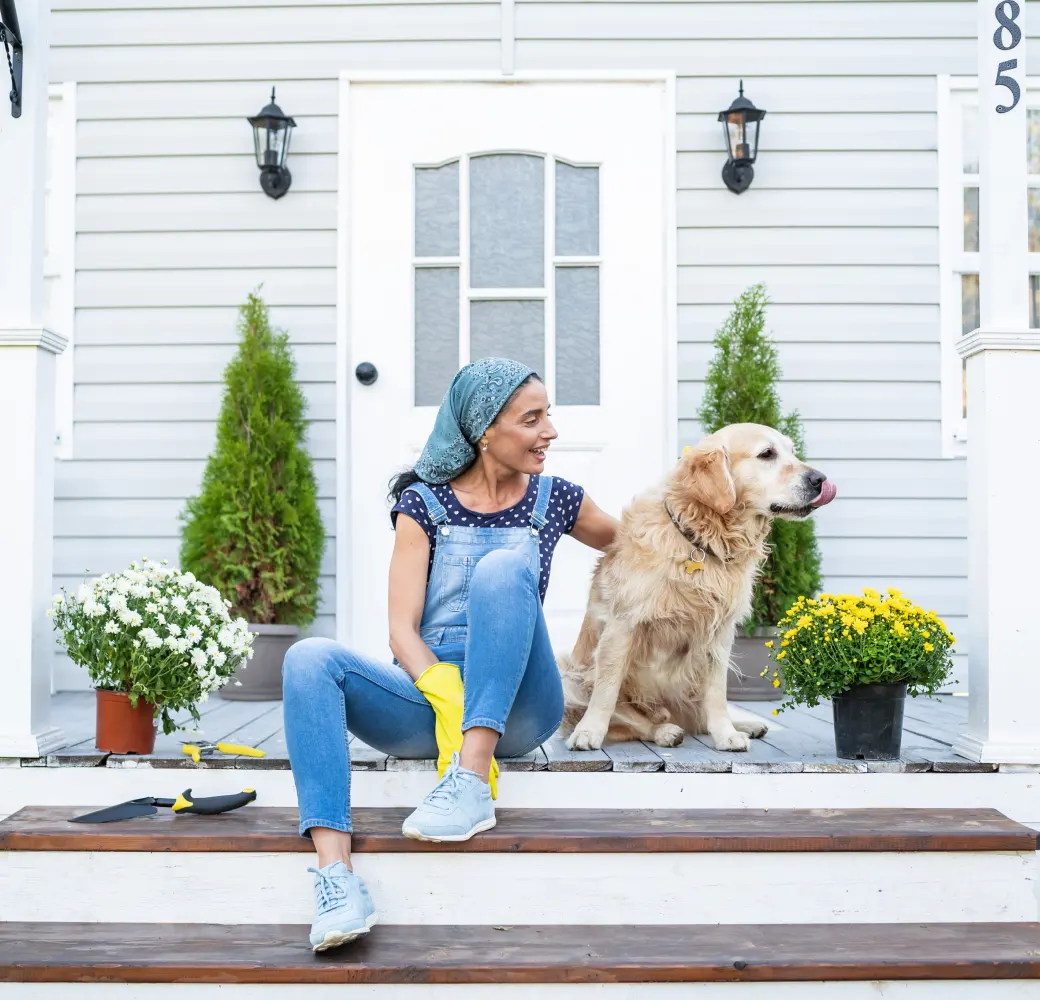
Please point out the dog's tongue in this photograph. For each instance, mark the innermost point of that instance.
(828, 491)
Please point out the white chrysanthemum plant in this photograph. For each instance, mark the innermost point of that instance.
(155, 633)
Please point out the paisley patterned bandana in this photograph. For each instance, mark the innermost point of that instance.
(476, 397)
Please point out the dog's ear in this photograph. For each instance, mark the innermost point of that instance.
(710, 480)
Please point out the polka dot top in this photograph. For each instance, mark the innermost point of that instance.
(562, 512)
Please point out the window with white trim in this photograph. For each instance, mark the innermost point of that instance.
(959, 296)
(59, 269)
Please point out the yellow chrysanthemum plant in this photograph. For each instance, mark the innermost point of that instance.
(835, 642)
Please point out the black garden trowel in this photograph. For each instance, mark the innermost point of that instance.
(184, 803)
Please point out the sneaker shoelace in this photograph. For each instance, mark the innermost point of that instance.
(331, 889)
(447, 789)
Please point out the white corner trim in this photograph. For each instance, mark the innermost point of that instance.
(997, 340)
(32, 744)
(989, 752)
(33, 337)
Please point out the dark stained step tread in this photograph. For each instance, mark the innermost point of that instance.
(256, 828)
(279, 953)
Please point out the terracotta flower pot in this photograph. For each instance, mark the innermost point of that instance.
(121, 728)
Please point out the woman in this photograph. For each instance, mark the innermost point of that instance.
(473, 671)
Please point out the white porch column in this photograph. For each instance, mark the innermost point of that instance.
(26, 410)
(1003, 370)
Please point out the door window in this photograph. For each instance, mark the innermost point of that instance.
(486, 281)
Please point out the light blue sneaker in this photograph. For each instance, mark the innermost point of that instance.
(343, 909)
(459, 807)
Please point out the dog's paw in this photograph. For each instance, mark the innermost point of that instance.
(668, 735)
(756, 730)
(585, 739)
(731, 741)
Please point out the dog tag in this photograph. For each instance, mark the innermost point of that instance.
(692, 565)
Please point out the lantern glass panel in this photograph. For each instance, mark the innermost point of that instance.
(736, 136)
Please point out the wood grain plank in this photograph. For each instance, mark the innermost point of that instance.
(423, 954)
(261, 828)
(633, 757)
(562, 759)
(693, 757)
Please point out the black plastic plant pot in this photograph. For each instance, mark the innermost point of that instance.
(868, 722)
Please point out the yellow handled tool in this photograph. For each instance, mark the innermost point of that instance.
(203, 749)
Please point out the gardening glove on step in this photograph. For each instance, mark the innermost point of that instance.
(442, 686)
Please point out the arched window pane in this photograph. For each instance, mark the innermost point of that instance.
(437, 211)
(507, 221)
(577, 211)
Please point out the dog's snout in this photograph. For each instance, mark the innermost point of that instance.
(815, 479)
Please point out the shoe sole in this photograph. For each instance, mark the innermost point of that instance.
(449, 838)
(335, 938)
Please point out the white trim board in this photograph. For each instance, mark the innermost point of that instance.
(1017, 795)
(600, 889)
(345, 363)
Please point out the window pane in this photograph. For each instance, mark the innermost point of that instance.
(507, 221)
(577, 211)
(969, 303)
(1033, 140)
(1034, 301)
(577, 336)
(508, 329)
(436, 332)
(969, 322)
(437, 211)
(971, 220)
(970, 121)
(1034, 220)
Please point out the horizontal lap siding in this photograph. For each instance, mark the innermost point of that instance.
(174, 232)
(840, 223)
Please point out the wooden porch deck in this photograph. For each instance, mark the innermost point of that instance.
(800, 740)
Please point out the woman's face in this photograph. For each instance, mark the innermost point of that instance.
(522, 432)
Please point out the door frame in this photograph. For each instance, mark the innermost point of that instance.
(344, 362)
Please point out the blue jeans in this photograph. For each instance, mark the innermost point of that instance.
(511, 682)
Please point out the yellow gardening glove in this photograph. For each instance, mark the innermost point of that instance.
(442, 685)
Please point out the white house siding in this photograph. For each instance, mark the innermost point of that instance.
(841, 223)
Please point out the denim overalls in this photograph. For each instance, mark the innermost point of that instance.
(445, 619)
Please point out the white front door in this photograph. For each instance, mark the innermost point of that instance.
(518, 219)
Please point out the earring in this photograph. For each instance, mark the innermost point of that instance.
(483, 445)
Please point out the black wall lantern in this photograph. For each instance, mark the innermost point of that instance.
(11, 36)
(740, 123)
(271, 133)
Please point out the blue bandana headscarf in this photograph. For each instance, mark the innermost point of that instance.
(470, 406)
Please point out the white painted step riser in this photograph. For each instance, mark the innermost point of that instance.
(1015, 795)
(925, 990)
(449, 888)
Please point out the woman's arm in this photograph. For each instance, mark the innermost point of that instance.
(408, 568)
(594, 527)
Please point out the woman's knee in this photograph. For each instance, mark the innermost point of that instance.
(501, 568)
(308, 660)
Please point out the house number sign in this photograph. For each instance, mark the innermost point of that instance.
(1005, 38)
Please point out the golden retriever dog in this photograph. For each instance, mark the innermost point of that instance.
(651, 659)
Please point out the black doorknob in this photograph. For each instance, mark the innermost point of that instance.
(366, 373)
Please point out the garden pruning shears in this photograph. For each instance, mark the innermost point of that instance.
(204, 748)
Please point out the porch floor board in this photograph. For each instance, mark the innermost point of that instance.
(799, 740)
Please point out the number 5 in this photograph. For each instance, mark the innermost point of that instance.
(1010, 82)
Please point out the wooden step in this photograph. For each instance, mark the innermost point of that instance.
(279, 953)
(586, 831)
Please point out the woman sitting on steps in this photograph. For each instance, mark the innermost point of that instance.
(473, 672)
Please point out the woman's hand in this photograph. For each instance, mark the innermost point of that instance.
(408, 571)
(594, 527)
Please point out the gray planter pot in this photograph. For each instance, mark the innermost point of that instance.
(261, 677)
(751, 657)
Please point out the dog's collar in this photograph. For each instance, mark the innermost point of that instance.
(700, 547)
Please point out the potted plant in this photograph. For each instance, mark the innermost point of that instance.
(866, 653)
(254, 530)
(155, 641)
(741, 387)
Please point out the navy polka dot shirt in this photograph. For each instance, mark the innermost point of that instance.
(562, 512)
